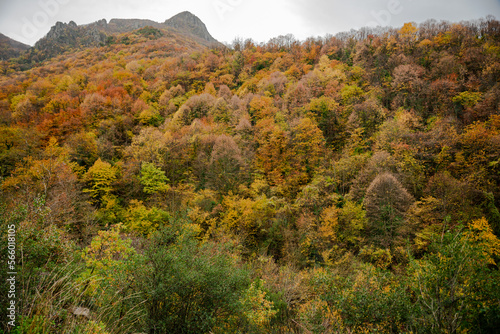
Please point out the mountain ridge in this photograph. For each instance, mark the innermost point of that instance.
(10, 48)
(63, 37)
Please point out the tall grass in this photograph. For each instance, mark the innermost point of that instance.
(48, 302)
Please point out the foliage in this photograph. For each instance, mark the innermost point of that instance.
(100, 178)
(110, 262)
(144, 221)
(257, 309)
(453, 287)
(189, 288)
(153, 179)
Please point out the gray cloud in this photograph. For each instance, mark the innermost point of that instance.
(335, 16)
(29, 20)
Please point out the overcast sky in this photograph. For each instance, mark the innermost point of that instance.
(29, 20)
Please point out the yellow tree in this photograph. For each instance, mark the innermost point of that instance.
(262, 107)
(480, 233)
(100, 178)
(408, 35)
(272, 156)
(307, 145)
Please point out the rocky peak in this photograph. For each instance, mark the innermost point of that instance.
(102, 23)
(60, 29)
(65, 36)
(185, 17)
(189, 23)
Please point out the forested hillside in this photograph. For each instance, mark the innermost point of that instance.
(345, 184)
(10, 48)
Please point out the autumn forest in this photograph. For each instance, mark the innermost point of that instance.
(159, 182)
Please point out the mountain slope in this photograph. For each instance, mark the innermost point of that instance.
(10, 48)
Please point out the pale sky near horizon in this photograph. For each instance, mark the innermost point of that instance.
(29, 20)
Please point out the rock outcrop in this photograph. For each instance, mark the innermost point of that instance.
(189, 23)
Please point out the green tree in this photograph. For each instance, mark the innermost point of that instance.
(142, 220)
(153, 179)
(258, 310)
(190, 287)
(455, 290)
(386, 203)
